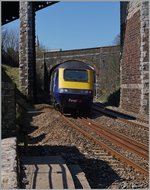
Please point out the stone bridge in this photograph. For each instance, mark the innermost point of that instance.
(105, 60)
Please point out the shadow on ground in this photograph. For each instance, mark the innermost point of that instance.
(98, 173)
(111, 113)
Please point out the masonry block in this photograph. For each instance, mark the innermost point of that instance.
(135, 57)
(27, 50)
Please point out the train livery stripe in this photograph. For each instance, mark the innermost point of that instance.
(75, 85)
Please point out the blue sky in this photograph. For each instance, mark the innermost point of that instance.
(77, 25)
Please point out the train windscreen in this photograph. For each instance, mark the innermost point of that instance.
(76, 75)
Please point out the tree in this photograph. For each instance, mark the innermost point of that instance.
(10, 39)
(117, 40)
(40, 48)
(10, 46)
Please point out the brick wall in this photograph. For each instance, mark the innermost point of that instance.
(134, 63)
(8, 109)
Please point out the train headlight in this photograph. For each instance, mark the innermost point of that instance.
(62, 90)
(90, 91)
(86, 91)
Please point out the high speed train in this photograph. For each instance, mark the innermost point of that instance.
(72, 86)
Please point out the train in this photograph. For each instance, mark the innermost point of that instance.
(72, 86)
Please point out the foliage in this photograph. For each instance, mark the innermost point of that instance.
(40, 48)
(112, 99)
(12, 72)
(117, 40)
(10, 46)
(10, 39)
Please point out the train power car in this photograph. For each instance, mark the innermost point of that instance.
(72, 86)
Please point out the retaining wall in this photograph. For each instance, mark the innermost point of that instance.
(9, 164)
(8, 109)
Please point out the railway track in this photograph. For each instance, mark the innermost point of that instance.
(112, 142)
(130, 144)
(135, 131)
(49, 134)
(122, 117)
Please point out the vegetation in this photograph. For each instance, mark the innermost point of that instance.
(12, 73)
(10, 47)
(117, 40)
(112, 99)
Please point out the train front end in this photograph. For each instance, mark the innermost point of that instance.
(76, 89)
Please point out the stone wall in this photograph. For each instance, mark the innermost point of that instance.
(144, 60)
(8, 109)
(27, 50)
(134, 63)
(105, 60)
(9, 164)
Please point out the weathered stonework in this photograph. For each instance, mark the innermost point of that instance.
(9, 164)
(144, 60)
(27, 50)
(8, 109)
(135, 58)
(105, 60)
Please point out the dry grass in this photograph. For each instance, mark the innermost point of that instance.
(12, 72)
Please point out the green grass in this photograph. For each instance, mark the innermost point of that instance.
(102, 98)
(12, 72)
(112, 99)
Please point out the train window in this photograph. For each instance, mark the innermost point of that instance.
(76, 75)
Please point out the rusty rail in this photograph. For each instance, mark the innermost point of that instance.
(113, 114)
(107, 148)
(118, 138)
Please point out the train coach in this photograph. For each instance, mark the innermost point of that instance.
(72, 86)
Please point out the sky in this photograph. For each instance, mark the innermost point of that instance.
(77, 25)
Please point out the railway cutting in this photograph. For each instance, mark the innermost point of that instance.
(55, 154)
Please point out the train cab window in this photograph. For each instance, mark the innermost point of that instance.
(76, 75)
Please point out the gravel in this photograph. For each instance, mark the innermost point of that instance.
(49, 134)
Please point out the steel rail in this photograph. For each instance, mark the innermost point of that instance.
(133, 123)
(118, 138)
(108, 149)
(114, 115)
(121, 113)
